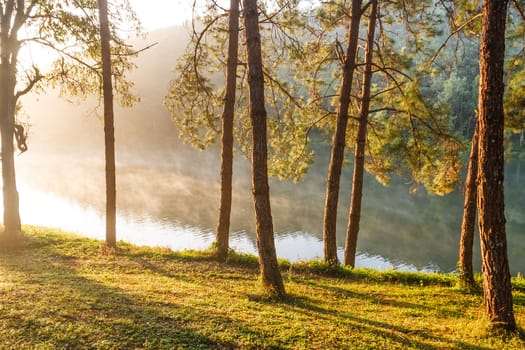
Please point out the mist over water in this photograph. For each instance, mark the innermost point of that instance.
(168, 192)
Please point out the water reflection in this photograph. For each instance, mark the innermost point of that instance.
(51, 210)
(176, 207)
(47, 209)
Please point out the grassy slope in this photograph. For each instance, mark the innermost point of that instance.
(63, 291)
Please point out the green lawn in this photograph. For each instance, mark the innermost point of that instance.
(61, 291)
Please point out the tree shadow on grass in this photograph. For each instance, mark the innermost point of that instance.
(203, 266)
(396, 334)
(388, 301)
(59, 308)
(74, 311)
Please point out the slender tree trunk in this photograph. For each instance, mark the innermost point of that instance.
(109, 129)
(339, 140)
(359, 154)
(466, 271)
(496, 275)
(223, 226)
(271, 276)
(9, 47)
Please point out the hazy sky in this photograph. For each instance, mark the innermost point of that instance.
(162, 13)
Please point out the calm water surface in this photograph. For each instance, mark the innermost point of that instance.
(163, 206)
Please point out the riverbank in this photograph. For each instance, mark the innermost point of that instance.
(60, 291)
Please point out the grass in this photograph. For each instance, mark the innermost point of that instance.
(60, 291)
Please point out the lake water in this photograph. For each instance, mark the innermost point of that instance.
(175, 205)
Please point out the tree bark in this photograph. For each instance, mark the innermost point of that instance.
(271, 276)
(496, 275)
(223, 225)
(9, 47)
(12, 225)
(359, 153)
(339, 140)
(466, 270)
(109, 128)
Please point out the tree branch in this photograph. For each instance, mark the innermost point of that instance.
(32, 82)
(457, 30)
(62, 52)
(281, 87)
(199, 37)
(520, 10)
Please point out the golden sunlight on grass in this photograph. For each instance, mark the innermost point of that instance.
(62, 291)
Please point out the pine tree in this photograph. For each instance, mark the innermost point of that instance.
(271, 276)
(109, 128)
(491, 204)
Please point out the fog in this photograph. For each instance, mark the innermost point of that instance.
(168, 192)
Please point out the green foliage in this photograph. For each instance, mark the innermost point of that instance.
(289, 155)
(415, 137)
(465, 14)
(192, 102)
(514, 99)
(69, 30)
(518, 283)
(408, 134)
(457, 84)
(453, 85)
(66, 32)
(195, 99)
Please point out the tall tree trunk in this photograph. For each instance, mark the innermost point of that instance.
(496, 275)
(109, 129)
(271, 276)
(339, 140)
(359, 154)
(9, 46)
(223, 226)
(466, 271)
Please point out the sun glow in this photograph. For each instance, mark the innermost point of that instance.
(155, 14)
